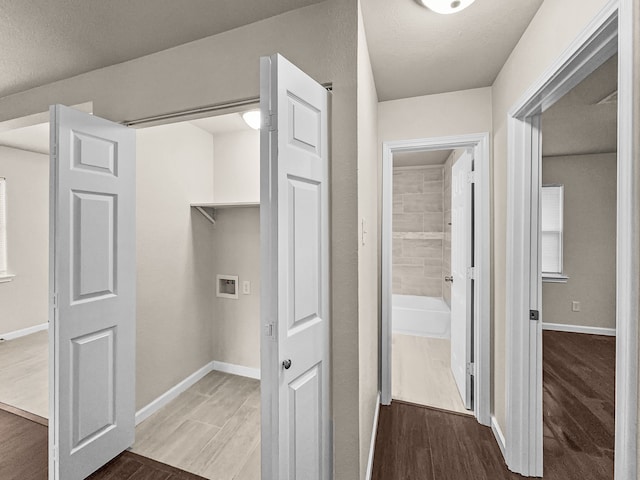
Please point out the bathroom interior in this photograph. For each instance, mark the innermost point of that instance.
(422, 279)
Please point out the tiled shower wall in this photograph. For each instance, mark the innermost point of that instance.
(418, 230)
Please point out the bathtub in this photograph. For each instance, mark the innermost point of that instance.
(422, 316)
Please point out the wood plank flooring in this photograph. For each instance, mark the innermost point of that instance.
(418, 443)
(579, 404)
(421, 372)
(24, 374)
(23, 456)
(212, 429)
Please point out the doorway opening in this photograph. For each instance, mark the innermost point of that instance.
(435, 273)
(184, 412)
(528, 242)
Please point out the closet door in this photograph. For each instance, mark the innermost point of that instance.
(93, 273)
(294, 210)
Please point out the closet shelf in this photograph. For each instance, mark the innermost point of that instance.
(209, 209)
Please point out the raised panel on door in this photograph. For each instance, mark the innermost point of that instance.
(294, 210)
(93, 343)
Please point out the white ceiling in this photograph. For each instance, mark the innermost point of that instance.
(419, 159)
(231, 122)
(578, 124)
(415, 51)
(35, 138)
(48, 40)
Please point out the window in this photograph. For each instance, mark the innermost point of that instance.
(3, 227)
(552, 226)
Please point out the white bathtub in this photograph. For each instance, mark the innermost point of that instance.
(422, 316)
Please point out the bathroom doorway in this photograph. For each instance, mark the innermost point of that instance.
(435, 274)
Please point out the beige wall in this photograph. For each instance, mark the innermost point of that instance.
(24, 301)
(368, 273)
(455, 113)
(174, 169)
(550, 32)
(418, 230)
(236, 167)
(589, 253)
(236, 251)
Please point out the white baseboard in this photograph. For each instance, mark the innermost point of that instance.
(559, 327)
(148, 410)
(372, 446)
(497, 433)
(24, 332)
(236, 369)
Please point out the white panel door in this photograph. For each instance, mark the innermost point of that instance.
(295, 267)
(461, 256)
(92, 348)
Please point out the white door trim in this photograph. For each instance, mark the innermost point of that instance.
(596, 43)
(482, 338)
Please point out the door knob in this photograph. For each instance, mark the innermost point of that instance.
(448, 278)
(286, 364)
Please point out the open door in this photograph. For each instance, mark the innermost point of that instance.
(92, 339)
(294, 228)
(461, 289)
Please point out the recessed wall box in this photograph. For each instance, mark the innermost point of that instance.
(227, 286)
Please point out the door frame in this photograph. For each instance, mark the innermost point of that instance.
(482, 253)
(610, 31)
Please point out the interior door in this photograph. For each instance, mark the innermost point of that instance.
(92, 348)
(295, 267)
(461, 256)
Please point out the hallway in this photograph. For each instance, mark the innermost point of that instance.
(418, 443)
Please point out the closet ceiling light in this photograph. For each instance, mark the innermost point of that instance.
(252, 118)
(445, 6)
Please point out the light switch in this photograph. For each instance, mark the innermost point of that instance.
(246, 287)
(575, 306)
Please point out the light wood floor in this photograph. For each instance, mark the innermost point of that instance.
(24, 373)
(421, 372)
(212, 429)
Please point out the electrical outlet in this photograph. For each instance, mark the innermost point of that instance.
(246, 287)
(575, 306)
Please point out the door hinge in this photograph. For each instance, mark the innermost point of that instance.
(534, 315)
(55, 453)
(269, 330)
(271, 122)
(471, 369)
(55, 300)
(471, 177)
(471, 273)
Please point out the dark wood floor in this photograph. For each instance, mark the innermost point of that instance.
(420, 443)
(578, 405)
(23, 456)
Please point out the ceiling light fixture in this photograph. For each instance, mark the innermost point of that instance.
(445, 7)
(252, 118)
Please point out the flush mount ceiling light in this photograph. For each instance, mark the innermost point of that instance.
(445, 7)
(252, 118)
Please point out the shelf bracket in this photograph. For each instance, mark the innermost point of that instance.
(208, 212)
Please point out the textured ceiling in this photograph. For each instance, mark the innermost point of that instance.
(416, 159)
(415, 51)
(577, 124)
(48, 40)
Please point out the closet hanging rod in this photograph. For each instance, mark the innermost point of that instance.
(234, 105)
